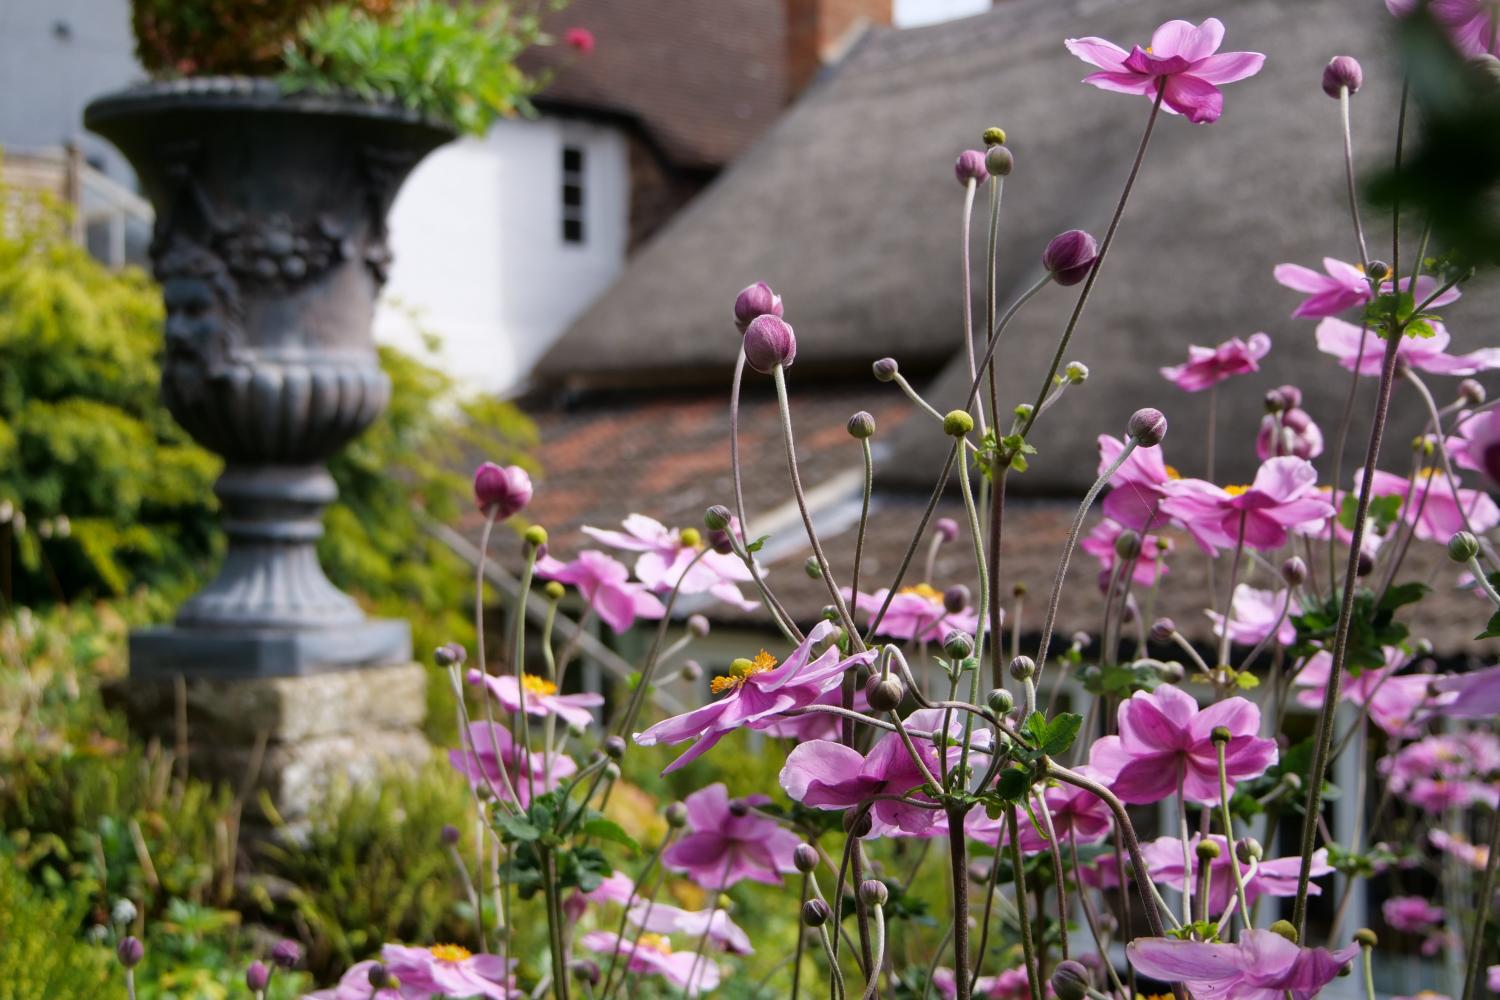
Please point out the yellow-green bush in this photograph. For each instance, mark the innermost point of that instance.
(41, 954)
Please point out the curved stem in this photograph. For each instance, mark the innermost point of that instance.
(1486, 903)
(1018, 871)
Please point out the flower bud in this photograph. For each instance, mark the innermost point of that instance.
(585, 971)
(769, 344)
(1207, 850)
(754, 301)
(1022, 668)
(692, 671)
(857, 822)
(885, 369)
(1471, 392)
(554, 590)
(739, 808)
(815, 913)
(1170, 671)
(1070, 981)
(805, 857)
(1365, 565)
(286, 954)
(1018, 590)
(380, 977)
(1128, 544)
(999, 162)
(1147, 427)
(676, 815)
(611, 770)
(1076, 372)
(872, 892)
(955, 598)
(957, 644)
(945, 528)
(862, 425)
(830, 613)
(720, 542)
(449, 836)
(697, 626)
(124, 912)
(1001, 701)
(1221, 734)
(613, 747)
(130, 951)
(884, 694)
(1162, 629)
(1366, 938)
(970, 166)
(1342, 73)
(994, 136)
(1378, 269)
(1294, 571)
(1284, 928)
(812, 568)
(501, 491)
(535, 536)
(1462, 547)
(1248, 849)
(257, 976)
(716, 518)
(1069, 256)
(957, 423)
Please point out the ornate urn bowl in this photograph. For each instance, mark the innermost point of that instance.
(270, 247)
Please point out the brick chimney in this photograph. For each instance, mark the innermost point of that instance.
(817, 31)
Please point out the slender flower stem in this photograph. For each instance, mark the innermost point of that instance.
(1234, 576)
(916, 540)
(1018, 873)
(779, 375)
(653, 657)
(1345, 420)
(1092, 920)
(1486, 903)
(864, 514)
(1109, 238)
(969, 190)
(997, 328)
(1228, 820)
(997, 189)
(1359, 227)
(1057, 871)
(1062, 566)
(1323, 740)
(872, 984)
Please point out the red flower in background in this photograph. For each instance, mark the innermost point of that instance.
(581, 39)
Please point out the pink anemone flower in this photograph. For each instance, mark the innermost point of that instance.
(1471, 24)
(664, 918)
(652, 954)
(617, 887)
(605, 585)
(1474, 695)
(1445, 772)
(916, 613)
(1411, 914)
(448, 970)
(823, 774)
(1477, 446)
(1166, 741)
(1283, 496)
(541, 697)
(1342, 340)
(756, 693)
(1012, 984)
(1272, 877)
(667, 561)
(728, 842)
(1254, 613)
(1076, 814)
(1182, 64)
(1343, 286)
(1476, 856)
(1292, 432)
(1262, 966)
(1208, 366)
(1100, 543)
(1394, 702)
(1432, 510)
(489, 747)
(1137, 487)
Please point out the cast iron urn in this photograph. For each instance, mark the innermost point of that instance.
(270, 247)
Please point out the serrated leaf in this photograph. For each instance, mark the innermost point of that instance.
(1012, 784)
(608, 829)
(1061, 732)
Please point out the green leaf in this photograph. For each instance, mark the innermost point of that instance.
(1012, 784)
(516, 828)
(608, 829)
(1492, 628)
(1061, 732)
(756, 545)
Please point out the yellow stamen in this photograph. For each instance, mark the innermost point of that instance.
(450, 952)
(656, 942)
(537, 685)
(1172, 472)
(1237, 490)
(741, 670)
(924, 590)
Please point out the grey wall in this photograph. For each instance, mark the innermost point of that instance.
(55, 55)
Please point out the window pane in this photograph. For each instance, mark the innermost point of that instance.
(572, 230)
(572, 159)
(572, 194)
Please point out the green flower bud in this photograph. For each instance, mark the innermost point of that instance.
(957, 423)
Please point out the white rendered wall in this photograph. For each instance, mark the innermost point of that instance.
(479, 254)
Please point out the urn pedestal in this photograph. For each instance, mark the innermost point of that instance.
(270, 246)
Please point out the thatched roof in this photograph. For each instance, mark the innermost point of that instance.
(849, 208)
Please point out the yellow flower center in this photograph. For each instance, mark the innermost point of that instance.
(924, 590)
(450, 952)
(1172, 472)
(537, 685)
(657, 942)
(741, 670)
(1237, 490)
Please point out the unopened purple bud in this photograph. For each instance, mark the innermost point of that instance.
(286, 954)
(769, 343)
(815, 913)
(1471, 392)
(805, 857)
(501, 491)
(1071, 981)
(130, 951)
(1342, 72)
(1069, 256)
(1294, 571)
(970, 167)
(885, 369)
(756, 300)
(257, 976)
(1148, 427)
(946, 528)
(720, 542)
(1292, 395)
(738, 808)
(449, 654)
(999, 161)
(1162, 629)
(585, 971)
(380, 977)
(450, 835)
(955, 598)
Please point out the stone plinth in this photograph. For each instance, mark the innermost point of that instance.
(292, 735)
